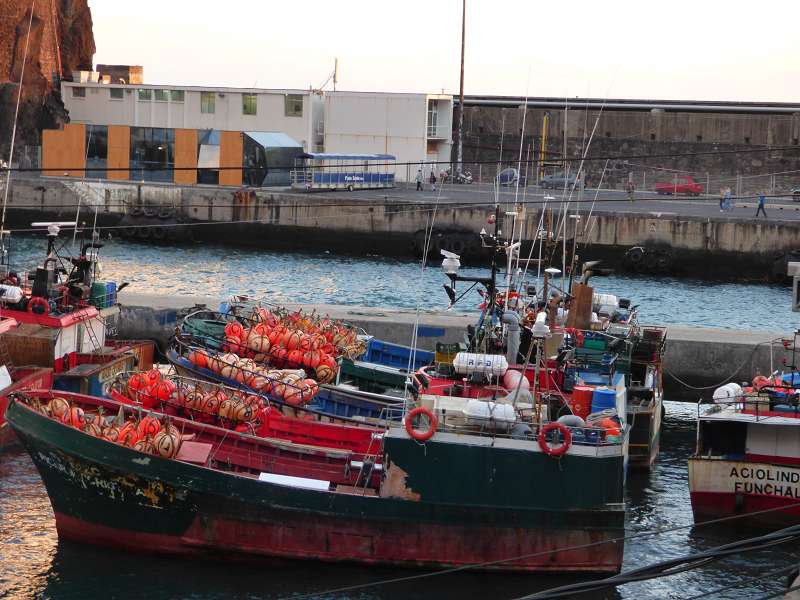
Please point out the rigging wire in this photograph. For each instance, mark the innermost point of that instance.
(16, 117)
(740, 584)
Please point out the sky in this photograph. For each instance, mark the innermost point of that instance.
(693, 50)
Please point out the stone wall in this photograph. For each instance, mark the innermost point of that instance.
(640, 134)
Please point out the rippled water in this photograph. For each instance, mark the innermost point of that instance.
(373, 281)
(34, 564)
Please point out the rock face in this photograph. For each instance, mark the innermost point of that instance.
(58, 37)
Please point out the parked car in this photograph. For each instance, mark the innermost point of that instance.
(796, 193)
(682, 184)
(558, 180)
(510, 177)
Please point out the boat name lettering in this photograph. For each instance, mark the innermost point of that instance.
(111, 371)
(766, 481)
(353, 178)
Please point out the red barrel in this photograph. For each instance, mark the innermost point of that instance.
(581, 400)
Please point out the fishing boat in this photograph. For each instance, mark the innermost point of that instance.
(55, 319)
(208, 492)
(747, 457)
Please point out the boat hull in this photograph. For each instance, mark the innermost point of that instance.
(645, 437)
(109, 495)
(35, 379)
(722, 488)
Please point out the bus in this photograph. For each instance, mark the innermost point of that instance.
(322, 171)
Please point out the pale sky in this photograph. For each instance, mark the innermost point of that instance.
(703, 49)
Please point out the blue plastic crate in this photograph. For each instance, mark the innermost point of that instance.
(395, 355)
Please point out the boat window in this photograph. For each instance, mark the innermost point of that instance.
(722, 438)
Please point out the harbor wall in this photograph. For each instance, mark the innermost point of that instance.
(697, 359)
(698, 246)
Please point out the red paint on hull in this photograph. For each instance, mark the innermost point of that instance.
(712, 505)
(331, 540)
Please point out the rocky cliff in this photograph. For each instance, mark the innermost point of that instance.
(58, 37)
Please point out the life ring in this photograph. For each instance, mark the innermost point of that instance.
(421, 436)
(38, 301)
(565, 433)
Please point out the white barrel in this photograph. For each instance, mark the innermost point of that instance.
(729, 392)
(10, 294)
(512, 379)
(466, 363)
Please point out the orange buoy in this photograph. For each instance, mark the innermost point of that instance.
(148, 427)
(136, 383)
(59, 407)
(73, 417)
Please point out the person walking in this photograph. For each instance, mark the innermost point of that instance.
(762, 198)
(630, 187)
(419, 180)
(433, 180)
(721, 199)
(728, 202)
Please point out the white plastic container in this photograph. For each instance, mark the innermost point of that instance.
(466, 363)
(10, 294)
(605, 303)
(490, 414)
(730, 392)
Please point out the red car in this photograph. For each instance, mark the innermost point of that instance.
(682, 184)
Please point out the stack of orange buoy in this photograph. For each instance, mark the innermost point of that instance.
(290, 385)
(343, 338)
(282, 346)
(148, 434)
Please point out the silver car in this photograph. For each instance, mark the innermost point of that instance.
(558, 180)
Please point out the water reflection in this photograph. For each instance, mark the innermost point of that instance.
(34, 564)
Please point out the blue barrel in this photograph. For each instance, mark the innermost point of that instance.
(603, 398)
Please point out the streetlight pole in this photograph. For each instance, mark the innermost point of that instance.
(460, 148)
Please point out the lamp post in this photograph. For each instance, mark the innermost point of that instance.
(460, 146)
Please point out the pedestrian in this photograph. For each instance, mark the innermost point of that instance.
(419, 180)
(728, 199)
(721, 199)
(631, 189)
(762, 198)
(433, 180)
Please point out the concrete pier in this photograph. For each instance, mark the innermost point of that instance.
(697, 359)
(683, 235)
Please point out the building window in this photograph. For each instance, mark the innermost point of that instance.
(145, 95)
(152, 154)
(162, 95)
(176, 95)
(207, 102)
(433, 118)
(249, 104)
(293, 106)
(96, 150)
(115, 93)
(79, 92)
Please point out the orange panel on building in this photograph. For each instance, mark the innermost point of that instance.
(64, 151)
(231, 150)
(186, 156)
(119, 151)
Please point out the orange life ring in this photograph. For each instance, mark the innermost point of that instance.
(421, 436)
(39, 301)
(565, 433)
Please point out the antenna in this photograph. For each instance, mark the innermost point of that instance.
(335, 73)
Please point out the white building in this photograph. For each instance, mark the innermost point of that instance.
(415, 128)
(297, 113)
